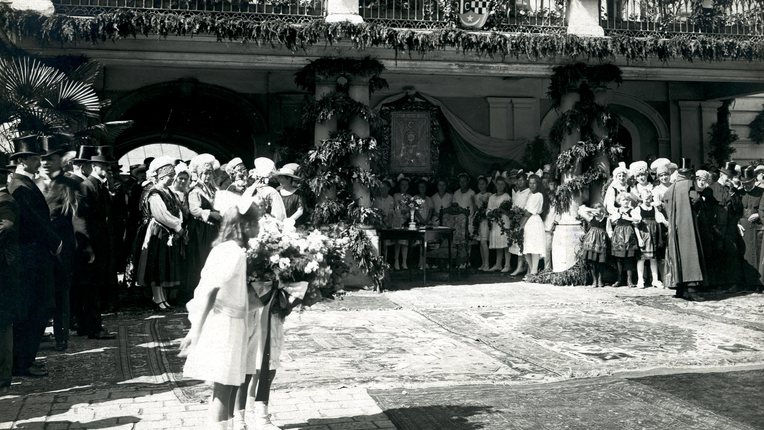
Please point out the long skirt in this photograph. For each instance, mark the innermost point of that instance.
(163, 258)
(534, 236)
(200, 237)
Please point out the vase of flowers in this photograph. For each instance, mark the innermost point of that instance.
(413, 203)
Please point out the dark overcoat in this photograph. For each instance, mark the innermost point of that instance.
(683, 250)
(9, 260)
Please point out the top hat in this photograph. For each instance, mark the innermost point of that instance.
(748, 175)
(27, 145)
(684, 166)
(729, 168)
(85, 153)
(56, 144)
(104, 154)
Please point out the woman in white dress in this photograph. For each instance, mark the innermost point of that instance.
(497, 239)
(216, 345)
(534, 235)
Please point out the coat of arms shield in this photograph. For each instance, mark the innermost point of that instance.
(473, 13)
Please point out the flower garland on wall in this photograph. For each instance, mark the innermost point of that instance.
(329, 164)
(126, 23)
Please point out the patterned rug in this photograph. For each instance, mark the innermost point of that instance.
(575, 405)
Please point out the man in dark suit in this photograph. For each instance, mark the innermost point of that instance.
(88, 222)
(102, 163)
(9, 273)
(38, 246)
(60, 194)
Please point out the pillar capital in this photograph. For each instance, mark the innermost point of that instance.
(584, 18)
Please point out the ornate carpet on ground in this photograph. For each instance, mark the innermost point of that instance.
(590, 339)
(575, 405)
(736, 395)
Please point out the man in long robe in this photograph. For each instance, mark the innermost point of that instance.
(684, 252)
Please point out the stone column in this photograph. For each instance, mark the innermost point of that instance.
(584, 18)
(359, 91)
(689, 123)
(343, 10)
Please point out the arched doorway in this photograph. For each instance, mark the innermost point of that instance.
(195, 115)
(624, 139)
(137, 155)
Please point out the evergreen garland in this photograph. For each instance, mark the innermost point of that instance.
(332, 67)
(126, 23)
(335, 105)
(757, 129)
(721, 137)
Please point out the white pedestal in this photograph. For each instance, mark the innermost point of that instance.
(565, 244)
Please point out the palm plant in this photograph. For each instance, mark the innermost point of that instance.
(36, 98)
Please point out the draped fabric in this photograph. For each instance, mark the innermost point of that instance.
(475, 152)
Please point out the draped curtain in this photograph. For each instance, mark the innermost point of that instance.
(475, 152)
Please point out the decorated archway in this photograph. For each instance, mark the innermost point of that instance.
(199, 116)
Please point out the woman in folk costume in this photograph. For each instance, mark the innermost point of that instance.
(750, 222)
(288, 180)
(534, 235)
(617, 186)
(204, 221)
(684, 254)
(497, 239)
(649, 227)
(638, 170)
(216, 345)
(520, 196)
(237, 171)
(164, 234)
(266, 197)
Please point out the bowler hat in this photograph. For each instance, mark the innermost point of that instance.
(27, 145)
(85, 153)
(104, 154)
(729, 169)
(748, 174)
(56, 144)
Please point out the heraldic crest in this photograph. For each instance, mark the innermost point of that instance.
(473, 13)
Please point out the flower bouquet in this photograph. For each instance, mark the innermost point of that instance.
(514, 228)
(413, 204)
(480, 214)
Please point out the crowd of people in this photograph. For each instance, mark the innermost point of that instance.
(678, 223)
(73, 229)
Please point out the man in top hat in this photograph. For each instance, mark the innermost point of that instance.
(61, 195)
(100, 177)
(749, 220)
(684, 252)
(9, 273)
(729, 243)
(38, 246)
(88, 230)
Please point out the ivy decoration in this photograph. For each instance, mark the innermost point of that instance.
(130, 23)
(335, 105)
(721, 136)
(513, 230)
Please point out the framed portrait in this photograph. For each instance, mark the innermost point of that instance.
(410, 142)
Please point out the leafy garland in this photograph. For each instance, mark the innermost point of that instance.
(332, 67)
(125, 23)
(512, 230)
(757, 129)
(585, 116)
(721, 137)
(335, 105)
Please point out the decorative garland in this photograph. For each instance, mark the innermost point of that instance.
(125, 23)
(514, 229)
(575, 275)
(721, 137)
(584, 117)
(335, 105)
(332, 67)
(757, 129)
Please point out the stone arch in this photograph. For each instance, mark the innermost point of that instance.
(200, 116)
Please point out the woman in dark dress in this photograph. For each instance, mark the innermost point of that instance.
(288, 190)
(164, 233)
(204, 220)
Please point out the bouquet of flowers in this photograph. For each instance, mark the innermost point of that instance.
(411, 202)
(480, 214)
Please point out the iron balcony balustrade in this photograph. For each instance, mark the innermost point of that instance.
(293, 11)
(536, 16)
(734, 18)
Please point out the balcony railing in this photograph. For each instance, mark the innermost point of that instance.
(287, 10)
(512, 15)
(728, 17)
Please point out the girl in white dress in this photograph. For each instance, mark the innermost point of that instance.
(481, 202)
(534, 235)
(497, 239)
(216, 345)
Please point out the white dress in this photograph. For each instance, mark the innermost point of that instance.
(220, 354)
(484, 230)
(534, 236)
(497, 239)
(519, 200)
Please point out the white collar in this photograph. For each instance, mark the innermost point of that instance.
(285, 193)
(20, 171)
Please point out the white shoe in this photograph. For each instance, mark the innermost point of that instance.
(640, 284)
(658, 284)
(264, 423)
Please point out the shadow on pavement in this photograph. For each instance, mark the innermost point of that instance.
(99, 424)
(434, 417)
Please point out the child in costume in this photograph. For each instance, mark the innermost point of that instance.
(649, 228)
(596, 242)
(623, 238)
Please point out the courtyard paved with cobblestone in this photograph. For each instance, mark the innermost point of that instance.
(482, 356)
